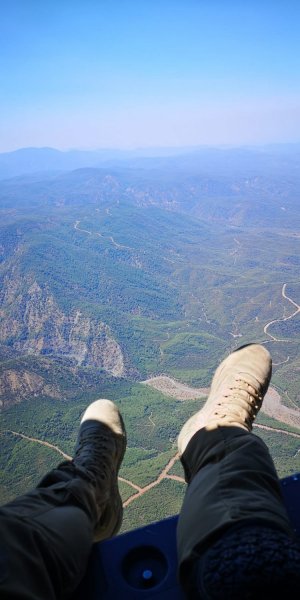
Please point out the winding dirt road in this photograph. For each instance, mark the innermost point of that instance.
(105, 237)
(42, 442)
(161, 476)
(140, 490)
(282, 319)
(164, 474)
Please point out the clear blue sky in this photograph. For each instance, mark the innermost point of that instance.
(132, 73)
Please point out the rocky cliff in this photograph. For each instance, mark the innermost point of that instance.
(33, 323)
(19, 384)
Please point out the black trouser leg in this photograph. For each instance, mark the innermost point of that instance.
(232, 482)
(46, 537)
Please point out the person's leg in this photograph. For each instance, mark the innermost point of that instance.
(46, 535)
(233, 506)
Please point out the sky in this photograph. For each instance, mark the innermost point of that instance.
(95, 74)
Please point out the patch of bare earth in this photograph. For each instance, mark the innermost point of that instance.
(174, 388)
(272, 405)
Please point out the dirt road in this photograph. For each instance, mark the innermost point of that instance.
(105, 237)
(42, 442)
(282, 319)
(164, 474)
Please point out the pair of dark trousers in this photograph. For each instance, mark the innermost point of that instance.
(46, 537)
(233, 493)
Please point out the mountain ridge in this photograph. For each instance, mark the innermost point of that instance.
(208, 159)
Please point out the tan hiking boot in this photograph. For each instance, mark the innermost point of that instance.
(236, 393)
(99, 453)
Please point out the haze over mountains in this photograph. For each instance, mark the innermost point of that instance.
(261, 159)
(130, 266)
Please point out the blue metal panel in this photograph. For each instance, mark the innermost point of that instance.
(143, 562)
(291, 493)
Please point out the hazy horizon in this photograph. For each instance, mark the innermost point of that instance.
(130, 75)
(164, 149)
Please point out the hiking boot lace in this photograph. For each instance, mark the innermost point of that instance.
(251, 402)
(94, 453)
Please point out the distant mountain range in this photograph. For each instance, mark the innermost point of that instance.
(247, 160)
